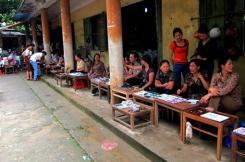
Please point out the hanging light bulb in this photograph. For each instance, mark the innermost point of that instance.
(146, 9)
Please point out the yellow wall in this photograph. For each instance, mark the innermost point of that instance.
(87, 11)
(177, 13)
(239, 67)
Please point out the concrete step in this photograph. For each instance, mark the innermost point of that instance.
(102, 120)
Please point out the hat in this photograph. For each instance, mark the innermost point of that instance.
(203, 29)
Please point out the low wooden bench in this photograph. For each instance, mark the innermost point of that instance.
(234, 151)
(9, 69)
(60, 77)
(128, 118)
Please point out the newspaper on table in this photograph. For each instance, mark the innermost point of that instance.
(193, 101)
(141, 93)
(172, 99)
(103, 79)
(128, 104)
(240, 131)
(215, 117)
(147, 94)
(78, 74)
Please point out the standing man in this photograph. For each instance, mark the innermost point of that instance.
(35, 58)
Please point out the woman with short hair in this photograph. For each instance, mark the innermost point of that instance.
(164, 81)
(195, 84)
(98, 68)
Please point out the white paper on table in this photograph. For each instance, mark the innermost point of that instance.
(121, 106)
(215, 117)
(171, 98)
(240, 131)
(193, 101)
(141, 93)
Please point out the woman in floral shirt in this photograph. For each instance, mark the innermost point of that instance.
(224, 92)
(98, 68)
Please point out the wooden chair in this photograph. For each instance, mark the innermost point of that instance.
(9, 69)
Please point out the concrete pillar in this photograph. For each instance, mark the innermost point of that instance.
(34, 33)
(45, 31)
(114, 28)
(1, 43)
(67, 34)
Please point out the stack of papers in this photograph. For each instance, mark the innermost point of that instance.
(240, 131)
(193, 101)
(147, 94)
(172, 99)
(215, 117)
(128, 104)
(141, 93)
(78, 74)
(103, 79)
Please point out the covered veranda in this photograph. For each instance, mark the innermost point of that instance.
(146, 139)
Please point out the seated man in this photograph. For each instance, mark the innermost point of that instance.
(224, 92)
(131, 76)
(147, 81)
(54, 58)
(164, 81)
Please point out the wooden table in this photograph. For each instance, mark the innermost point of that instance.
(146, 102)
(78, 78)
(219, 125)
(234, 150)
(9, 69)
(126, 113)
(54, 72)
(60, 77)
(93, 84)
(102, 87)
(177, 107)
(122, 93)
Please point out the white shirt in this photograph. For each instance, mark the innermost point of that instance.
(54, 58)
(27, 52)
(36, 56)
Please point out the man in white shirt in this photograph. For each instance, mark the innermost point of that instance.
(34, 59)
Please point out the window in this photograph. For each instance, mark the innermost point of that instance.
(95, 32)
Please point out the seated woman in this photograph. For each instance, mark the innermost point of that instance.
(147, 82)
(164, 81)
(60, 61)
(195, 84)
(224, 92)
(81, 65)
(98, 68)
